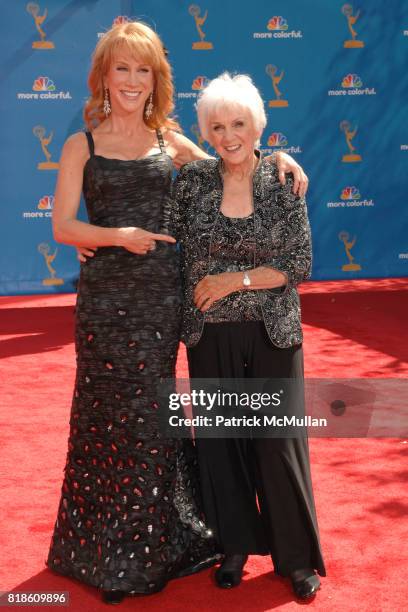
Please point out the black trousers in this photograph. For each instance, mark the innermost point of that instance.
(257, 493)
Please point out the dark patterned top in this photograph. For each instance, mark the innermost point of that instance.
(282, 241)
(232, 250)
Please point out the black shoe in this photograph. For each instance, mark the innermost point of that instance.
(199, 566)
(229, 574)
(113, 597)
(305, 583)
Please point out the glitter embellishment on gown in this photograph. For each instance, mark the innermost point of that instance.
(129, 516)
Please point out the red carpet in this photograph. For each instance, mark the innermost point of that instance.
(352, 329)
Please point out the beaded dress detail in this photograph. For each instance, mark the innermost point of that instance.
(129, 516)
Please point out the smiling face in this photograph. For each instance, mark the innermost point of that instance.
(130, 82)
(232, 133)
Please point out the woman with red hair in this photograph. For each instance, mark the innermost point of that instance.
(129, 517)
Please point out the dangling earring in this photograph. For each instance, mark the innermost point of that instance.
(149, 107)
(106, 103)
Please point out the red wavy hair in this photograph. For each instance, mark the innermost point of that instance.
(141, 42)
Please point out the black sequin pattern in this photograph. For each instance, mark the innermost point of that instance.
(233, 249)
(129, 516)
(282, 240)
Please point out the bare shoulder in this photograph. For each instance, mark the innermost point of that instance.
(76, 148)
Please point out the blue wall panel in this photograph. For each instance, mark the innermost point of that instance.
(338, 105)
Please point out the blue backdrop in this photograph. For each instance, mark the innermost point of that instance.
(333, 76)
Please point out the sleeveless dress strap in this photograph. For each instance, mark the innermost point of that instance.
(91, 144)
(161, 141)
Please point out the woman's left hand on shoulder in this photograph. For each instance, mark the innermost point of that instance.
(287, 164)
(212, 288)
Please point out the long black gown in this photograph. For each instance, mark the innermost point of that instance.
(129, 516)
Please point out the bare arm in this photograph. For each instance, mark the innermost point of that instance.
(286, 165)
(67, 228)
(182, 149)
(212, 288)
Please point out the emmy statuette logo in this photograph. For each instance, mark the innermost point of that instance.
(195, 12)
(39, 132)
(352, 156)
(276, 78)
(344, 237)
(34, 11)
(45, 249)
(353, 43)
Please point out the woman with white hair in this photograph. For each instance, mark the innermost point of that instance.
(245, 243)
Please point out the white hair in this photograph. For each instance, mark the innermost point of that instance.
(226, 91)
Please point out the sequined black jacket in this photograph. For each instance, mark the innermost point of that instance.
(282, 238)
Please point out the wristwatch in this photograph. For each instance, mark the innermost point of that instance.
(246, 281)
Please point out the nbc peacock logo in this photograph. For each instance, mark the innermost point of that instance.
(46, 203)
(197, 85)
(351, 80)
(350, 197)
(120, 19)
(277, 23)
(350, 193)
(279, 140)
(278, 27)
(352, 85)
(43, 88)
(43, 83)
(43, 209)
